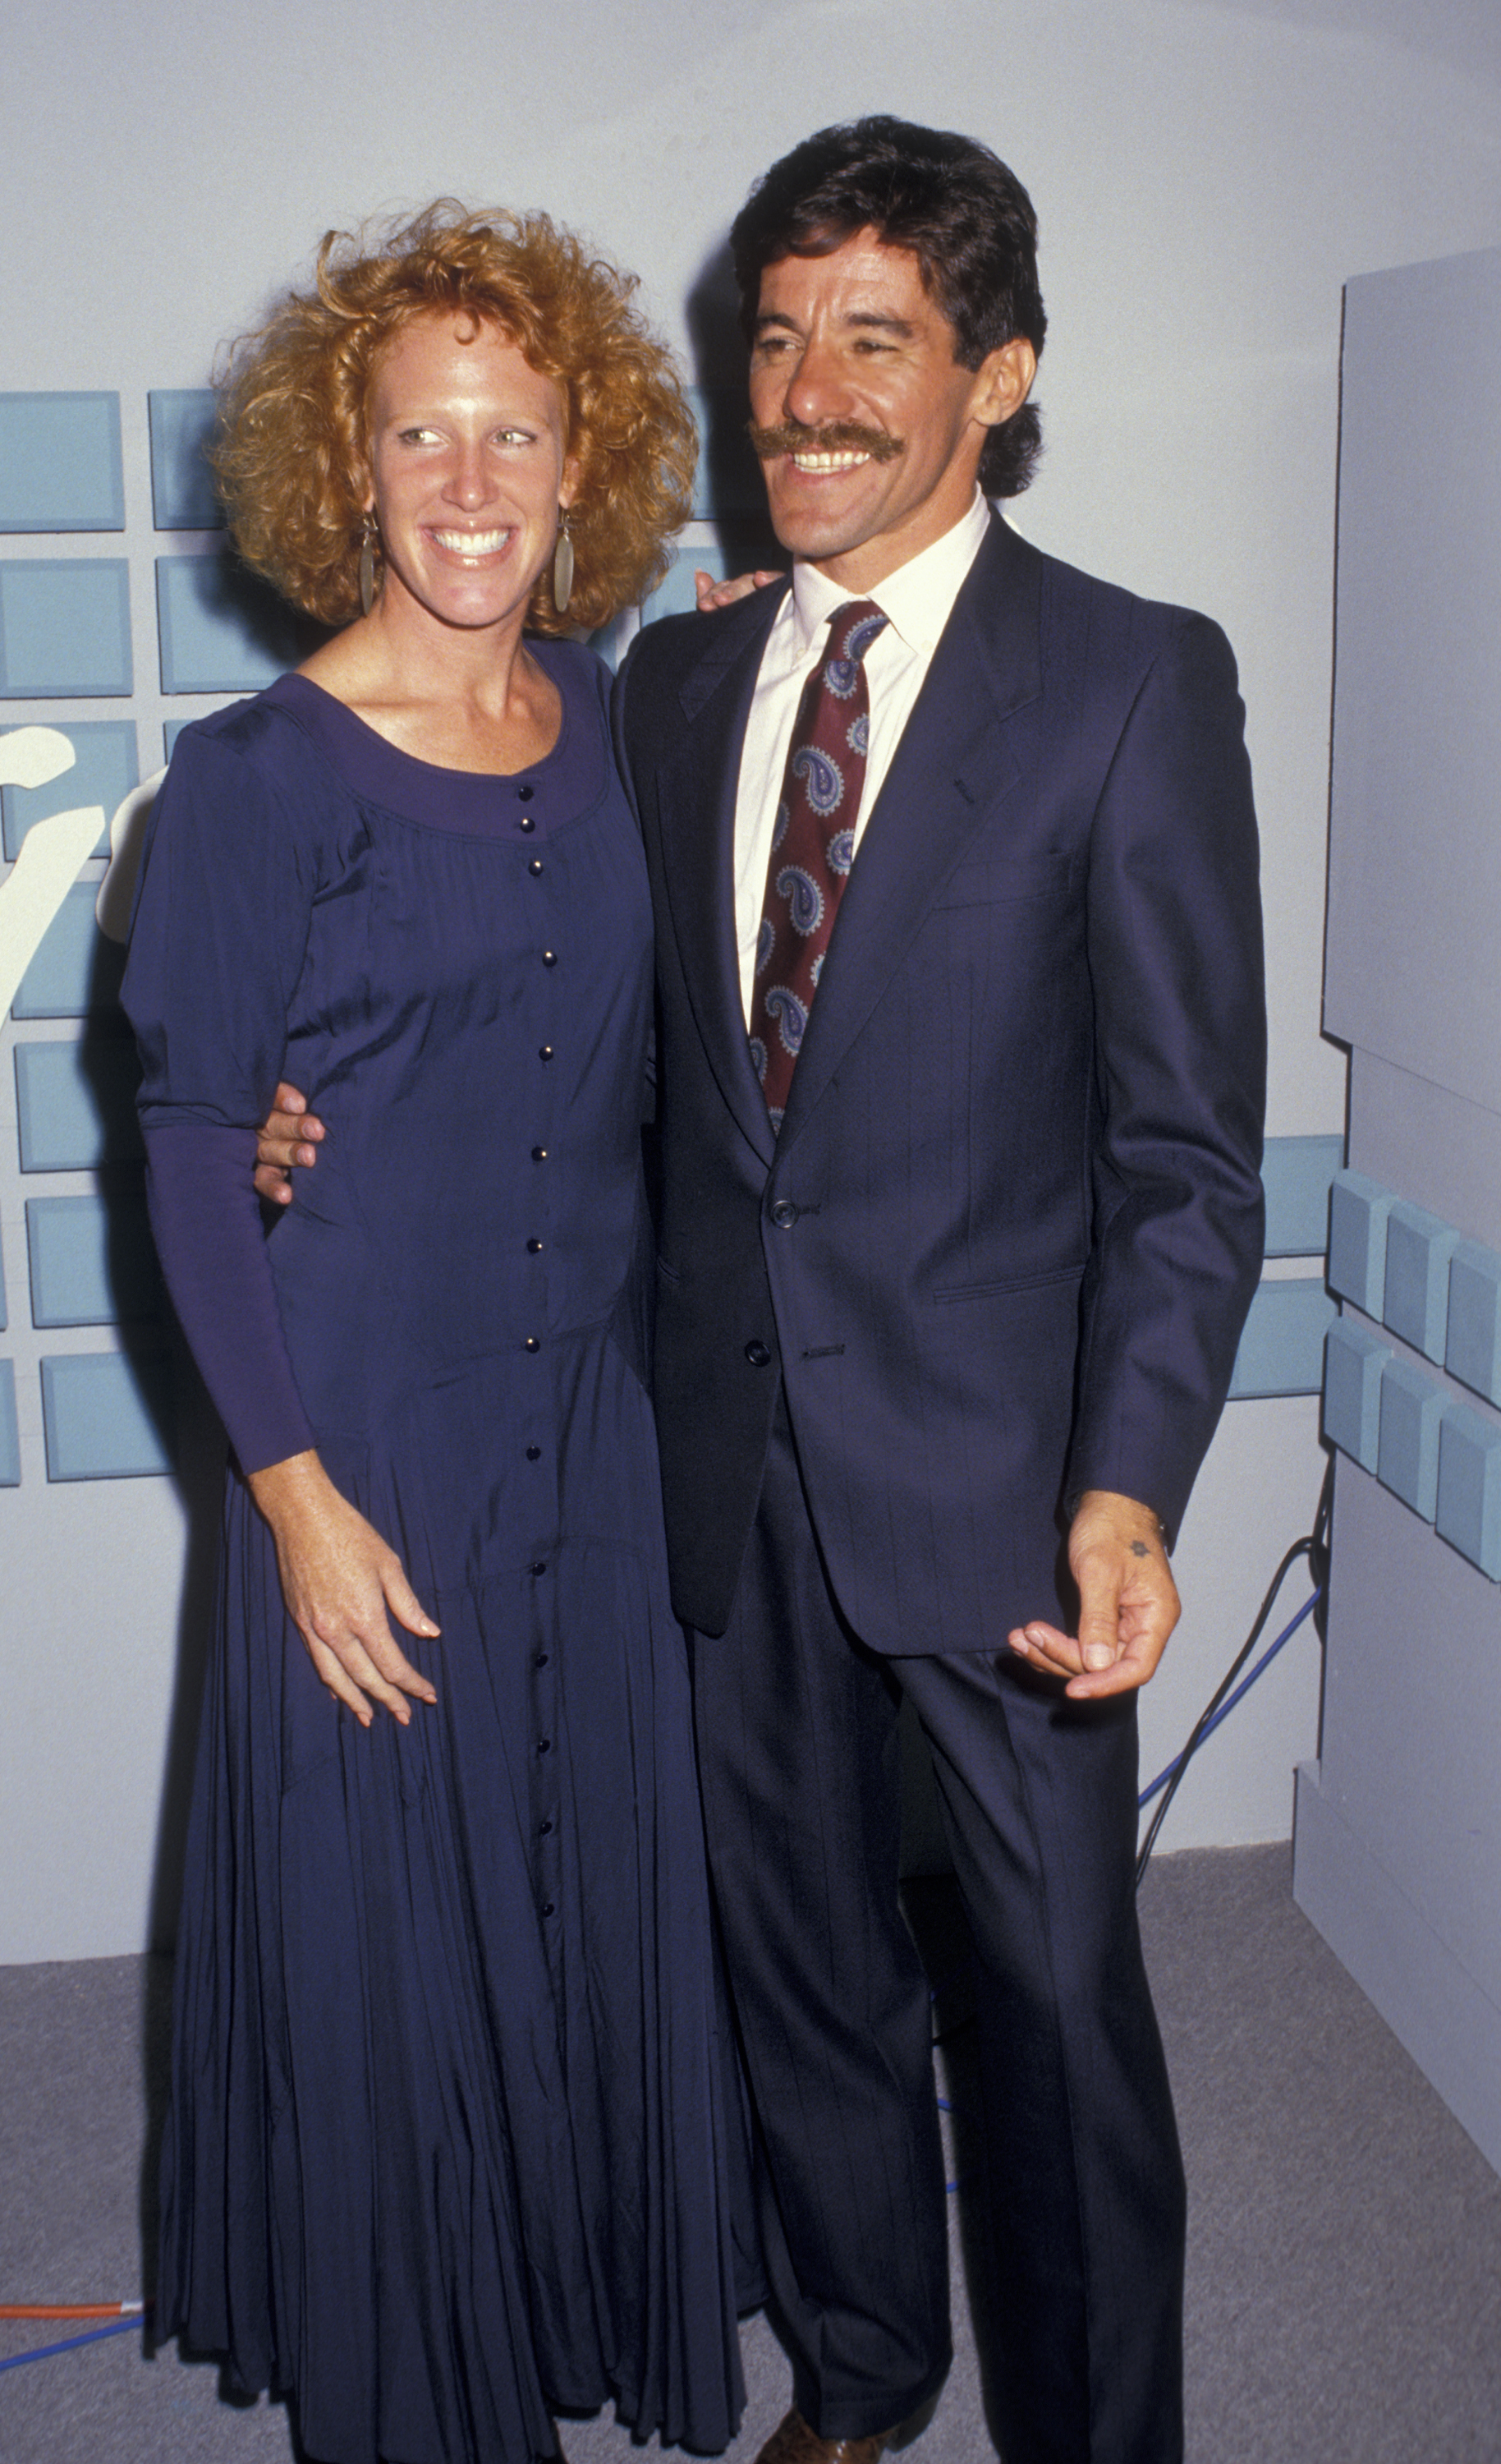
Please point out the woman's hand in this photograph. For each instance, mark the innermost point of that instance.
(713, 594)
(339, 1579)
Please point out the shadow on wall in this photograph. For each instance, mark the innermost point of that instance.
(727, 493)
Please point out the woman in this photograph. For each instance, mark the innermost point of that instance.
(450, 2135)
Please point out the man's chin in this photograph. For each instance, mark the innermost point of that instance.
(813, 532)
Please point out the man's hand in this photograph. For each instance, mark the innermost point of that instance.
(287, 1139)
(1128, 1602)
(713, 594)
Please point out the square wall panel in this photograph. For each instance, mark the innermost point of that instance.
(1415, 1304)
(104, 770)
(612, 641)
(1469, 1487)
(1472, 1339)
(93, 1260)
(676, 592)
(1408, 1455)
(1358, 1210)
(221, 630)
(64, 628)
(59, 462)
(183, 493)
(107, 1416)
(75, 1103)
(75, 969)
(1352, 1365)
(1282, 1344)
(10, 1435)
(1295, 1174)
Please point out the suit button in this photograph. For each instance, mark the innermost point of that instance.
(785, 1214)
(757, 1353)
(549, 958)
(533, 1343)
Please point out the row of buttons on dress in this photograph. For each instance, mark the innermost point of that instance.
(546, 1052)
(533, 1343)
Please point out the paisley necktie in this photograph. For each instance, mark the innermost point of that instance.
(813, 847)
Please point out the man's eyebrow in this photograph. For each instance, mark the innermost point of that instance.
(778, 320)
(900, 326)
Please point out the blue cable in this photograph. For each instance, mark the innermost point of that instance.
(70, 2344)
(1229, 1705)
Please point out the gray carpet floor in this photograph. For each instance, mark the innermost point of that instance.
(1344, 2276)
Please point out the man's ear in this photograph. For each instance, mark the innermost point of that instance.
(1003, 382)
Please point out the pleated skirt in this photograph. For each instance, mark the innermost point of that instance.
(453, 2117)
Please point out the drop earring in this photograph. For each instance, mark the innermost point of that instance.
(367, 565)
(563, 565)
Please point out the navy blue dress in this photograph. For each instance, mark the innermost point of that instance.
(450, 2124)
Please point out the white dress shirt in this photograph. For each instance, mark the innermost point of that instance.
(918, 600)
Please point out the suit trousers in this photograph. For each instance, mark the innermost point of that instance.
(798, 1748)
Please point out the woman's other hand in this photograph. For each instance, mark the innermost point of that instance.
(712, 594)
(288, 1137)
(339, 1579)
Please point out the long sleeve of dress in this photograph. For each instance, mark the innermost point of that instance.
(212, 1250)
(216, 948)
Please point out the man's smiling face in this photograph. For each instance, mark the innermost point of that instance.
(869, 430)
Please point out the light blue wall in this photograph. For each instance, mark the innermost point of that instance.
(1207, 177)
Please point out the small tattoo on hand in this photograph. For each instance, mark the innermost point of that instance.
(1140, 1548)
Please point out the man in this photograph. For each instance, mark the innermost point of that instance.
(985, 1277)
(954, 870)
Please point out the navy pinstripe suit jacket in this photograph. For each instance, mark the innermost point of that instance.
(1003, 1247)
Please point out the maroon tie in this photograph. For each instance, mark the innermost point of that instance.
(813, 847)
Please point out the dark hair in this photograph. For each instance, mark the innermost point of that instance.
(965, 218)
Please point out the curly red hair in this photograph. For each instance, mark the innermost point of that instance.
(292, 454)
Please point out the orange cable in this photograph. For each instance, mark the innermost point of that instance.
(70, 2309)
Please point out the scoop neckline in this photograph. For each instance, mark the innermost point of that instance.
(442, 770)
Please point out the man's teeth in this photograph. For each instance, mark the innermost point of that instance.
(472, 542)
(846, 460)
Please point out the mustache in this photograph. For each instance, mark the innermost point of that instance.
(836, 436)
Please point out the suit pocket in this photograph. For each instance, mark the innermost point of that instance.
(1007, 1284)
(1008, 880)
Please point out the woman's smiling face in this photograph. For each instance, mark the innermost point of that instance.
(469, 468)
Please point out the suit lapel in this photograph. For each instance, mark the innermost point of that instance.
(698, 783)
(951, 767)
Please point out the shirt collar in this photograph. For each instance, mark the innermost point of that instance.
(918, 597)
